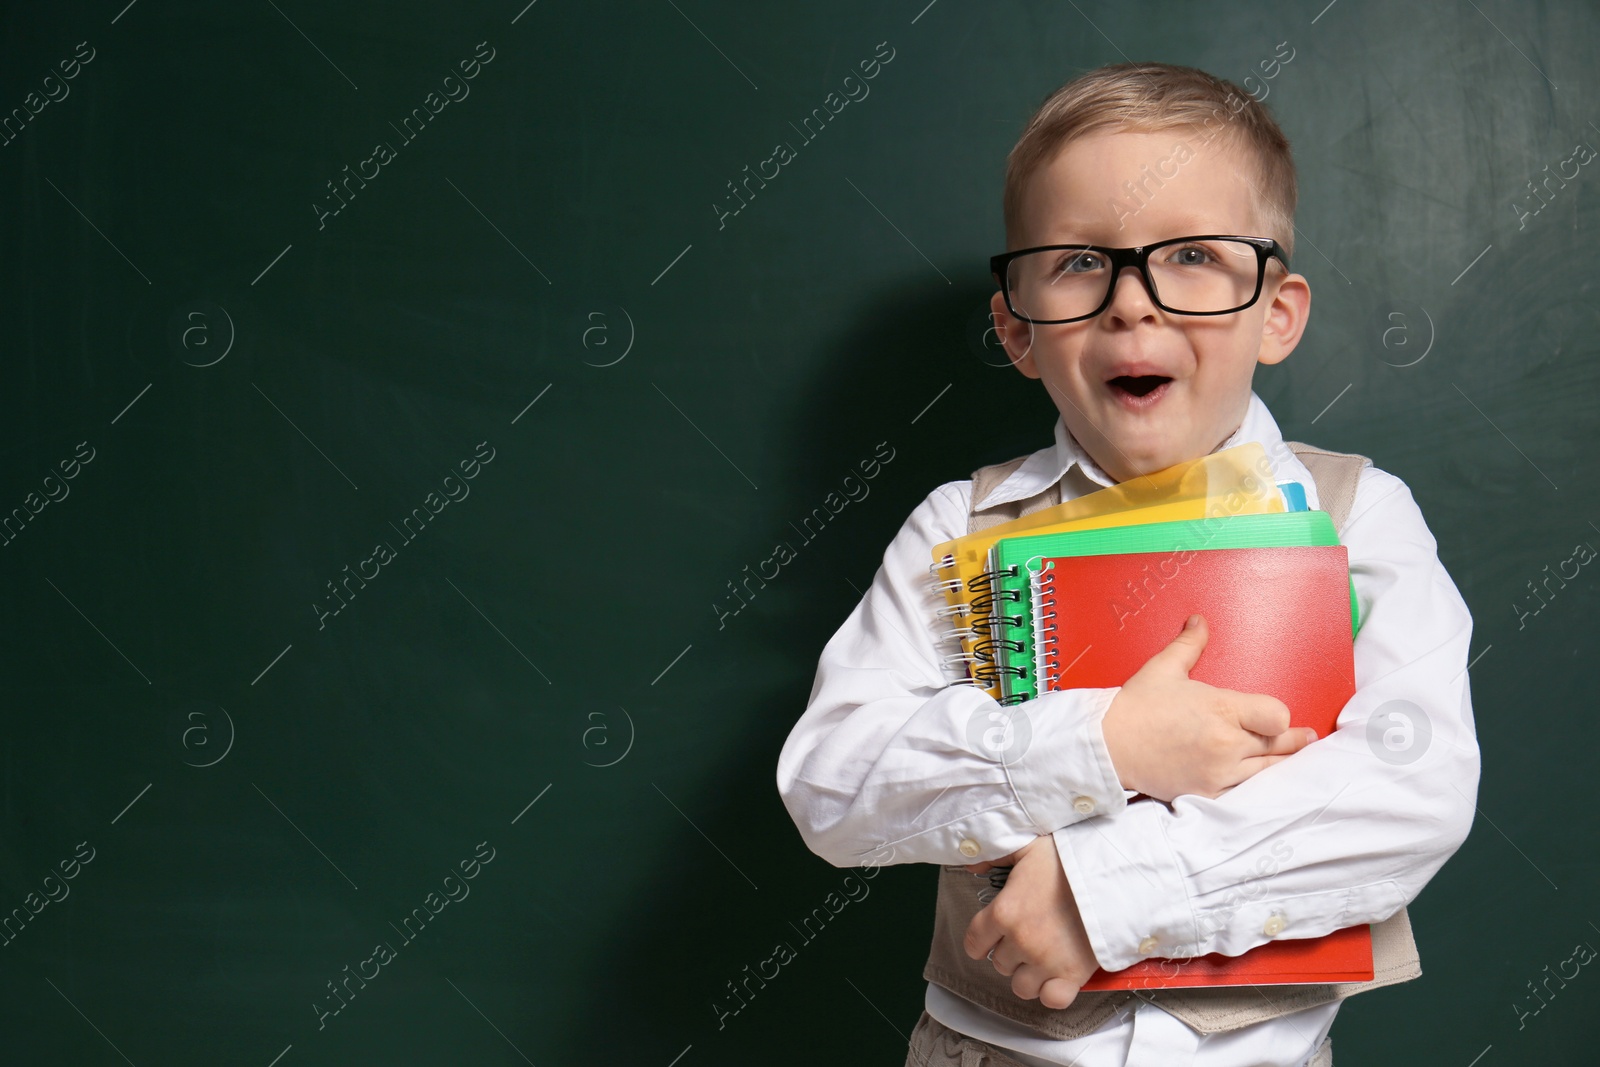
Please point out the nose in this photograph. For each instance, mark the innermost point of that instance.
(1131, 300)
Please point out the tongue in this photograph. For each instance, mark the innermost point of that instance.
(1139, 385)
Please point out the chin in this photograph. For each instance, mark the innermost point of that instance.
(1143, 443)
(1147, 459)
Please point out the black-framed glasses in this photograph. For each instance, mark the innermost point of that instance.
(1211, 274)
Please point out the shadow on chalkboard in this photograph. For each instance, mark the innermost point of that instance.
(883, 379)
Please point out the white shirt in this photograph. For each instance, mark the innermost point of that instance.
(1344, 832)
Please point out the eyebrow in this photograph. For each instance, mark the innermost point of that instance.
(1182, 228)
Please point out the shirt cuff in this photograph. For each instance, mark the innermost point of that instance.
(1130, 891)
(1065, 773)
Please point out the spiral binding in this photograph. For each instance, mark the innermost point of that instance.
(1047, 662)
(978, 616)
(982, 619)
(997, 881)
(985, 604)
(985, 648)
(996, 619)
(999, 623)
(988, 578)
(989, 673)
(988, 623)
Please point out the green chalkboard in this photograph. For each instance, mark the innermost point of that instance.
(396, 396)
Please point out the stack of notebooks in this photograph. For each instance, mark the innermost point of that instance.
(1080, 595)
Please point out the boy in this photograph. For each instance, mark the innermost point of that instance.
(1148, 367)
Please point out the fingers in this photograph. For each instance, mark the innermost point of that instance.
(1001, 952)
(1057, 993)
(1259, 713)
(1276, 748)
(985, 940)
(1007, 959)
(1252, 765)
(983, 934)
(1288, 742)
(1030, 981)
(1027, 979)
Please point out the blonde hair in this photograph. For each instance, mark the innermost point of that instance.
(1152, 98)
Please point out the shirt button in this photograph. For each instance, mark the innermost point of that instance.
(1083, 805)
(1273, 926)
(968, 847)
(1147, 946)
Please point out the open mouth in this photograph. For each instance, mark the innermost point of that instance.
(1139, 385)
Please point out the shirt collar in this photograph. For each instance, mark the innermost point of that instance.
(1050, 465)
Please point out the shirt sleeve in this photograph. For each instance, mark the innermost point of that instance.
(891, 762)
(1344, 832)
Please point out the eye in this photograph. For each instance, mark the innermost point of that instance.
(1080, 262)
(1192, 255)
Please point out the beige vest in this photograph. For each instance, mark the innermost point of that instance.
(1207, 1009)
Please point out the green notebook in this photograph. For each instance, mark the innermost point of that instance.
(1015, 561)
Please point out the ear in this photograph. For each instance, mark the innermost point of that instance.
(1287, 313)
(1015, 335)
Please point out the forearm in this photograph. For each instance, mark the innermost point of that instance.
(1315, 844)
(943, 774)
(890, 753)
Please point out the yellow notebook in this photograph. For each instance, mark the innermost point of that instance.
(1234, 481)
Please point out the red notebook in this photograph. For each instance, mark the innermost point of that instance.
(1279, 623)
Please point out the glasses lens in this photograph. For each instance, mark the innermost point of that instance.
(1205, 275)
(1058, 283)
(1191, 276)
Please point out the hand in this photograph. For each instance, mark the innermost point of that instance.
(1168, 734)
(1033, 928)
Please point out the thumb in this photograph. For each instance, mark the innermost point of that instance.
(1184, 650)
(1058, 993)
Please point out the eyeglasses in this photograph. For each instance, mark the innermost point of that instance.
(1206, 275)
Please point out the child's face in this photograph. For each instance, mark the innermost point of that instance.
(1210, 359)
